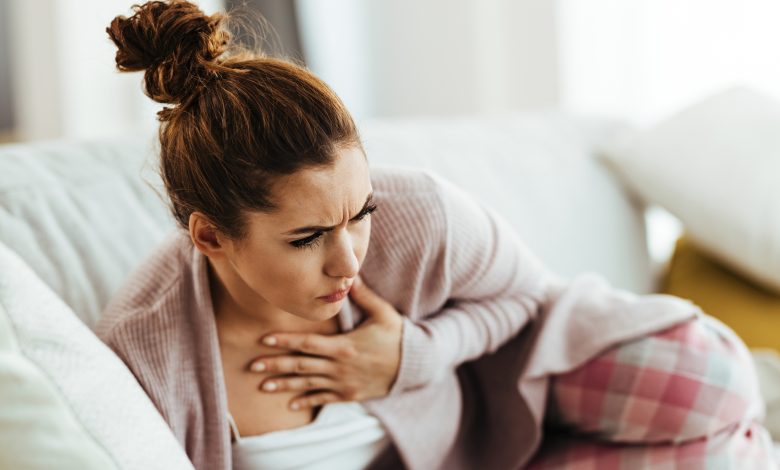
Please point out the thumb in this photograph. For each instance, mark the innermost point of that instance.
(367, 299)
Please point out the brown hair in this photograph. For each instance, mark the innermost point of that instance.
(239, 118)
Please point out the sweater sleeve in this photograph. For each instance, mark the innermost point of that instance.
(122, 342)
(494, 286)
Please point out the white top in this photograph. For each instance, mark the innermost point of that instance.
(343, 436)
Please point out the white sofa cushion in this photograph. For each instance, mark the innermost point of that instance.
(37, 429)
(96, 386)
(82, 215)
(716, 167)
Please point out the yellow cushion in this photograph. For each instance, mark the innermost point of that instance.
(752, 311)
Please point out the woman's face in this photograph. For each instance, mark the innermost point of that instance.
(292, 259)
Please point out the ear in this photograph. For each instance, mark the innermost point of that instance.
(206, 237)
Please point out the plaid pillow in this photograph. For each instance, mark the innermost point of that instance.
(743, 447)
(683, 383)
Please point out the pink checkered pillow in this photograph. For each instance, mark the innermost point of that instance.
(689, 381)
(743, 447)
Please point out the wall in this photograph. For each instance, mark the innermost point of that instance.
(438, 57)
(644, 59)
(637, 60)
(63, 70)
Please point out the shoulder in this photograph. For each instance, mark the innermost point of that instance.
(425, 189)
(411, 184)
(409, 200)
(422, 205)
(149, 294)
(410, 224)
(408, 252)
(154, 325)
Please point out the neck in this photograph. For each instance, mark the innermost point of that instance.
(243, 317)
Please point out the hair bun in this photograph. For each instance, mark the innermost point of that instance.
(175, 42)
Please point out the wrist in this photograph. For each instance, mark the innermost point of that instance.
(419, 359)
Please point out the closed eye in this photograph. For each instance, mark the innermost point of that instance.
(309, 241)
(312, 240)
(366, 211)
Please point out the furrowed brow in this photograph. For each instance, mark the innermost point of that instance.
(321, 228)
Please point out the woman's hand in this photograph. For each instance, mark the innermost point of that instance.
(353, 366)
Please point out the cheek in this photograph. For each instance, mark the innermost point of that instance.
(362, 238)
(281, 274)
(293, 273)
(286, 277)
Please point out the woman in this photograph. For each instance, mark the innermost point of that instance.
(254, 330)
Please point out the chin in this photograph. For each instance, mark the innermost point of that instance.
(322, 312)
(330, 310)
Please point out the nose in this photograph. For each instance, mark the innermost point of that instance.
(342, 261)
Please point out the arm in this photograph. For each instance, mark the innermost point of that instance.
(495, 286)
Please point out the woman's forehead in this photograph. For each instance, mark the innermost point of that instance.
(323, 194)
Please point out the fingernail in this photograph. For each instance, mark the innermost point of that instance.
(258, 367)
(269, 341)
(269, 387)
(295, 406)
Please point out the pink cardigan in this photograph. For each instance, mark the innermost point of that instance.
(485, 325)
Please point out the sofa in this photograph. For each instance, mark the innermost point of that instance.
(77, 217)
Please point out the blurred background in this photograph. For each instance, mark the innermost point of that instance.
(632, 60)
(636, 60)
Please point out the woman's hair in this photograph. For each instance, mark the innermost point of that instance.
(238, 118)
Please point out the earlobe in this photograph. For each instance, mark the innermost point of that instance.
(204, 235)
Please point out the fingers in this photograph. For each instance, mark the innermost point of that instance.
(336, 346)
(314, 399)
(369, 300)
(298, 383)
(294, 365)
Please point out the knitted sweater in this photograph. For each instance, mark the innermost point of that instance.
(485, 324)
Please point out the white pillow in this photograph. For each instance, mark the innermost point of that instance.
(100, 391)
(37, 429)
(716, 167)
(81, 215)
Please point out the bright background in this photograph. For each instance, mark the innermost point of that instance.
(637, 60)
(634, 60)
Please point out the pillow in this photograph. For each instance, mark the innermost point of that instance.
(768, 369)
(692, 380)
(96, 386)
(750, 310)
(81, 215)
(715, 166)
(37, 429)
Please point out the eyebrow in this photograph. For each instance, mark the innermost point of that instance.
(319, 228)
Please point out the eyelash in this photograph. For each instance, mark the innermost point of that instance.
(313, 240)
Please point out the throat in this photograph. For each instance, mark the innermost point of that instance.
(237, 329)
(242, 320)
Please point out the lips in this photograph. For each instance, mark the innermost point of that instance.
(335, 296)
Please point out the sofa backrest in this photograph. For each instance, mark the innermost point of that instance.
(83, 215)
(539, 170)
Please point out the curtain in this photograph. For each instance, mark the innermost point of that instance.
(6, 110)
